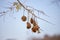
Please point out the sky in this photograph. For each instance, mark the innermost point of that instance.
(12, 27)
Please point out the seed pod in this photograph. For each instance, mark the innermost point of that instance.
(31, 20)
(23, 18)
(28, 25)
(35, 28)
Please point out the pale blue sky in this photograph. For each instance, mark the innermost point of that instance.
(15, 28)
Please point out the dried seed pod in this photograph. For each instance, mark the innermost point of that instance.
(23, 18)
(31, 20)
(28, 25)
(35, 28)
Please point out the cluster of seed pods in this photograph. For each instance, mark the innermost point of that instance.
(31, 24)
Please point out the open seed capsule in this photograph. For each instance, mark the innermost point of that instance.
(35, 28)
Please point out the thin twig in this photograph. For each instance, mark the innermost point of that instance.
(33, 13)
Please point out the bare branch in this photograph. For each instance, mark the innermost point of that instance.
(33, 13)
(39, 11)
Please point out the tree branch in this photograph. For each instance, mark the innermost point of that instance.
(32, 12)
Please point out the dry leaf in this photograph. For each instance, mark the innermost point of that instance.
(18, 6)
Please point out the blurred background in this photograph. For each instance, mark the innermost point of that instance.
(12, 27)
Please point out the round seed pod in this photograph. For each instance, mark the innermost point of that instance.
(28, 25)
(35, 28)
(23, 18)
